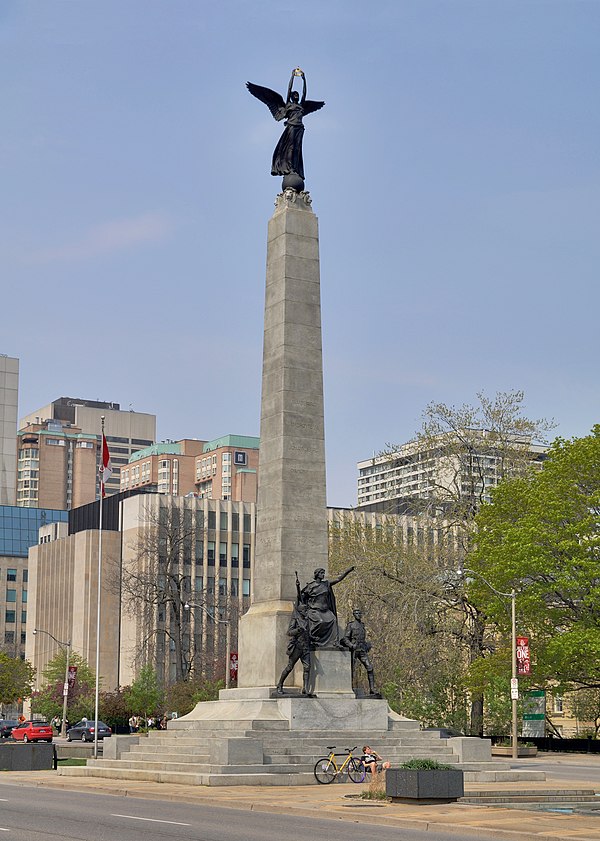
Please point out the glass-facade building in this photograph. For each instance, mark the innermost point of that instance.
(19, 528)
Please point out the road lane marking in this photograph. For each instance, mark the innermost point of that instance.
(153, 820)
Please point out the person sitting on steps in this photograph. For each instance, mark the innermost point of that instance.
(373, 762)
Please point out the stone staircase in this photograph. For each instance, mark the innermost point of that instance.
(540, 798)
(268, 752)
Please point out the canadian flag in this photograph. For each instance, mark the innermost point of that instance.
(105, 469)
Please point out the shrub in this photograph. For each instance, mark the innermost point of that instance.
(426, 765)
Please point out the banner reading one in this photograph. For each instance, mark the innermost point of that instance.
(523, 656)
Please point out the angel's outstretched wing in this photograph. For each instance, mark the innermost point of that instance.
(272, 99)
(311, 105)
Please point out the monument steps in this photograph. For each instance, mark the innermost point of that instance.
(515, 798)
(226, 779)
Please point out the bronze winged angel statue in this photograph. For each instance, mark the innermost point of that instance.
(287, 157)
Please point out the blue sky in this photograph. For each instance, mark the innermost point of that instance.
(454, 170)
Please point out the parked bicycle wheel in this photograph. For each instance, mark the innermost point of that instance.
(324, 771)
(356, 771)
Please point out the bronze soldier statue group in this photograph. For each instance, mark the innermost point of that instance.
(314, 625)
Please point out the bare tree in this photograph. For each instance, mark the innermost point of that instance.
(155, 583)
(457, 458)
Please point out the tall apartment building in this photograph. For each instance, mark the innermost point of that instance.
(395, 482)
(225, 468)
(19, 531)
(57, 466)
(73, 426)
(9, 395)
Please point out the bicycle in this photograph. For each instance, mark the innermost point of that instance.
(326, 769)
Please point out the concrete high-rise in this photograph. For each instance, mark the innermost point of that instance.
(9, 395)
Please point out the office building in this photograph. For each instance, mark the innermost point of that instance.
(74, 475)
(9, 395)
(211, 572)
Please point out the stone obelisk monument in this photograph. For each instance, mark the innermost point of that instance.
(291, 531)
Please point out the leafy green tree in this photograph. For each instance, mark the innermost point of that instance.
(144, 696)
(541, 536)
(81, 699)
(585, 705)
(114, 710)
(16, 678)
(182, 697)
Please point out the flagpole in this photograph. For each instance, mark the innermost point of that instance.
(97, 694)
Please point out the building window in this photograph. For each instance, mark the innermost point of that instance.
(23, 638)
(246, 555)
(11, 595)
(11, 574)
(85, 445)
(25, 576)
(223, 554)
(211, 553)
(56, 442)
(222, 586)
(9, 637)
(23, 617)
(235, 556)
(24, 596)
(10, 617)
(558, 703)
(245, 587)
(234, 587)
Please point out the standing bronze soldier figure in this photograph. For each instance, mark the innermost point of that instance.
(355, 638)
(298, 649)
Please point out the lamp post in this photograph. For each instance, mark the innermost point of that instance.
(67, 645)
(216, 620)
(513, 684)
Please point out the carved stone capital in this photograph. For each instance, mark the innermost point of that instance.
(292, 197)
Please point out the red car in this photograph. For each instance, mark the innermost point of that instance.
(32, 731)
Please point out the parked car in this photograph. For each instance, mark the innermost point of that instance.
(84, 730)
(6, 726)
(32, 731)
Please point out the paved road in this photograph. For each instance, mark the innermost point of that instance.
(43, 815)
(564, 766)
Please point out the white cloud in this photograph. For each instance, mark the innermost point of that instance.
(109, 237)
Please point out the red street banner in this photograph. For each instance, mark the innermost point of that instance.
(523, 656)
(233, 665)
(72, 676)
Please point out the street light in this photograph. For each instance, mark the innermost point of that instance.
(513, 614)
(67, 645)
(227, 622)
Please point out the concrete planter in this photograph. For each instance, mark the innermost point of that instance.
(26, 757)
(434, 785)
(497, 750)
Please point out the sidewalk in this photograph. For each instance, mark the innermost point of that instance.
(339, 801)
